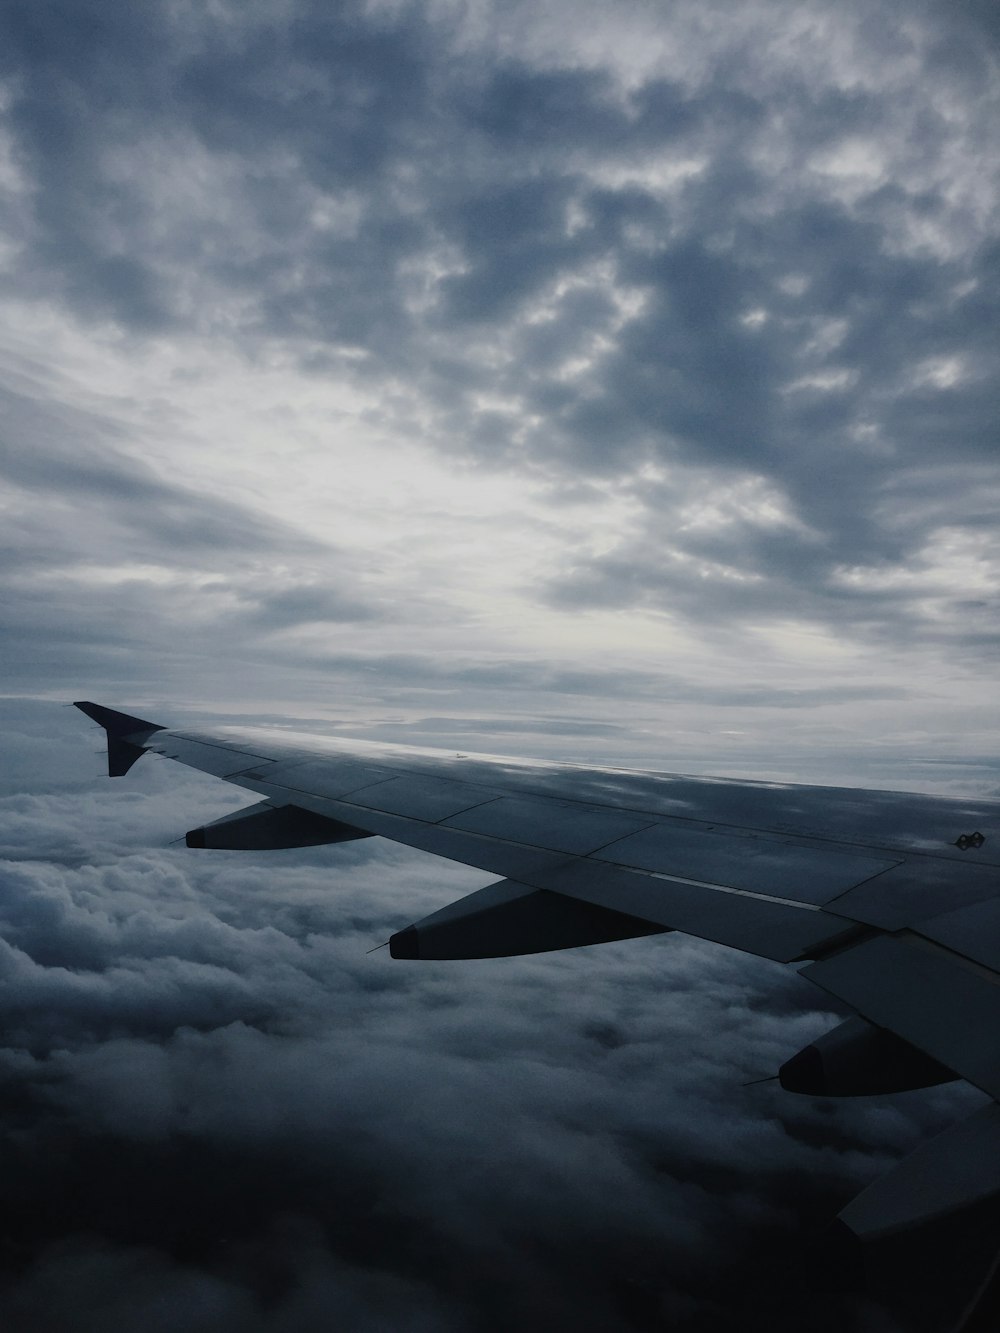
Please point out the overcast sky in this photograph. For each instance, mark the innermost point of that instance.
(596, 380)
(540, 370)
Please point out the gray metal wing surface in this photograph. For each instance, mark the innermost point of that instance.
(889, 898)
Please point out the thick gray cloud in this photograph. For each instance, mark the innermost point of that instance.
(216, 1103)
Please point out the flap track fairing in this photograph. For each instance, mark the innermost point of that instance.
(268, 827)
(508, 918)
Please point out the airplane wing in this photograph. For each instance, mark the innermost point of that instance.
(889, 899)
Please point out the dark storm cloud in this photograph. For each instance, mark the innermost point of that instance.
(218, 1101)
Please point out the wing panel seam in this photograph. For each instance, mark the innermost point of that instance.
(725, 888)
(652, 874)
(918, 941)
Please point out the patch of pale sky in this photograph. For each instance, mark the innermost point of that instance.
(309, 457)
(811, 44)
(822, 380)
(753, 319)
(713, 572)
(660, 174)
(629, 303)
(826, 336)
(624, 42)
(797, 642)
(955, 561)
(793, 284)
(110, 576)
(868, 438)
(941, 371)
(610, 640)
(424, 273)
(853, 157)
(597, 276)
(751, 500)
(634, 44)
(410, 516)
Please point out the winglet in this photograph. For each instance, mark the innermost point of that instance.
(126, 735)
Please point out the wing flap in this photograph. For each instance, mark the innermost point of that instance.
(959, 1167)
(972, 931)
(741, 860)
(921, 888)
(941, 1003)
(784, 931)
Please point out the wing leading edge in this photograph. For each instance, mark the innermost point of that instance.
(889, 897)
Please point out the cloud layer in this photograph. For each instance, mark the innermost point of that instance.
(218, 1109)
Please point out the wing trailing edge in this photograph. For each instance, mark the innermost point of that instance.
(957, 1168)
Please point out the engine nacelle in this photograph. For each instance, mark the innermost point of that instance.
(858, 1059)
(266, 827)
